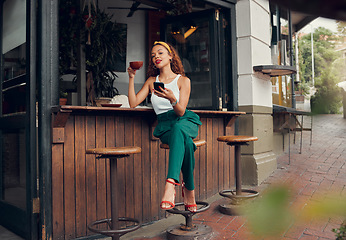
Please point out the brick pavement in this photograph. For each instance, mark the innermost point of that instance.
(319, 169)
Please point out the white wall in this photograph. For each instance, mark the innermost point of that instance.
(136, 41)
(253, 42)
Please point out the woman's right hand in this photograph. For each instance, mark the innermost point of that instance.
(131, 72)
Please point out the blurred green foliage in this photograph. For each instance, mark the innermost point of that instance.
(327, 69)
(340, 233)
(270, 215)
(328, 96)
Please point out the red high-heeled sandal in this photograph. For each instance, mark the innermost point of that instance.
(188, 206)
(172, 205)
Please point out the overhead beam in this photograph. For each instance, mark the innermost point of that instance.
(161, 4)
(298, 26)
(334, 9)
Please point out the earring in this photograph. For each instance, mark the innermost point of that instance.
(154, 66)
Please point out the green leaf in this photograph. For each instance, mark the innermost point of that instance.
(270, 215)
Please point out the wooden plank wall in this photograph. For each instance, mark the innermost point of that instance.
(81, 188)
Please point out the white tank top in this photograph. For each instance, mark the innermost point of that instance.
(162, 105)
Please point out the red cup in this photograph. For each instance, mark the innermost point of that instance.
(136, 65)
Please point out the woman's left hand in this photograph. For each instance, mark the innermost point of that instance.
(166, 93)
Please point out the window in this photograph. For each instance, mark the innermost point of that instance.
(200, 39)
(282, 85)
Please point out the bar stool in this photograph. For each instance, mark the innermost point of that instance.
(188, 230)
(238, 195)
(114, 231)
(198, 143)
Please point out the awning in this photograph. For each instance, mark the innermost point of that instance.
(334, 9)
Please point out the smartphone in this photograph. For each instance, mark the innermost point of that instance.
(157, 85)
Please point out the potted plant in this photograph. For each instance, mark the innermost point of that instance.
(102, 40)
(63, 98)
(102, 51)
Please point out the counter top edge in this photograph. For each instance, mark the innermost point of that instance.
(70, 108)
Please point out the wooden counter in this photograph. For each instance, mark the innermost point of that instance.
(80, 183)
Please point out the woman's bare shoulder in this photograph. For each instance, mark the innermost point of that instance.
(184, 80)
(151, 79)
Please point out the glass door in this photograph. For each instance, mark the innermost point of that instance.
(18, 191)
(200, 40)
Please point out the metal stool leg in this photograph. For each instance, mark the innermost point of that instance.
(114, 196)
(113, 223)
(301, 135)
(311, 131)
(289, 145)
(236, 199)
(237, 170)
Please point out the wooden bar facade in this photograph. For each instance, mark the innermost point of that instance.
(80, 182)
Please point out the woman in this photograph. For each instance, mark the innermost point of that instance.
(177, 126)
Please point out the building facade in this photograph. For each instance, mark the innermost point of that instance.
(221, 42)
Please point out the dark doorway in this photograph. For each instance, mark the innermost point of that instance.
(18, 179)
(202, 40)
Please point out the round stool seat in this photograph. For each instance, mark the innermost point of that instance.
(198, 143)
(114, 151)
(233, 139)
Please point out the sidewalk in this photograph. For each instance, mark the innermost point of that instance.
(320, 168)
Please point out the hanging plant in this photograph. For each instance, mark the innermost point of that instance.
(103, 42)
(103, 38)
(69, 24)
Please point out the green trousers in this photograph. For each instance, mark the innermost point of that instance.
(178, 133)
